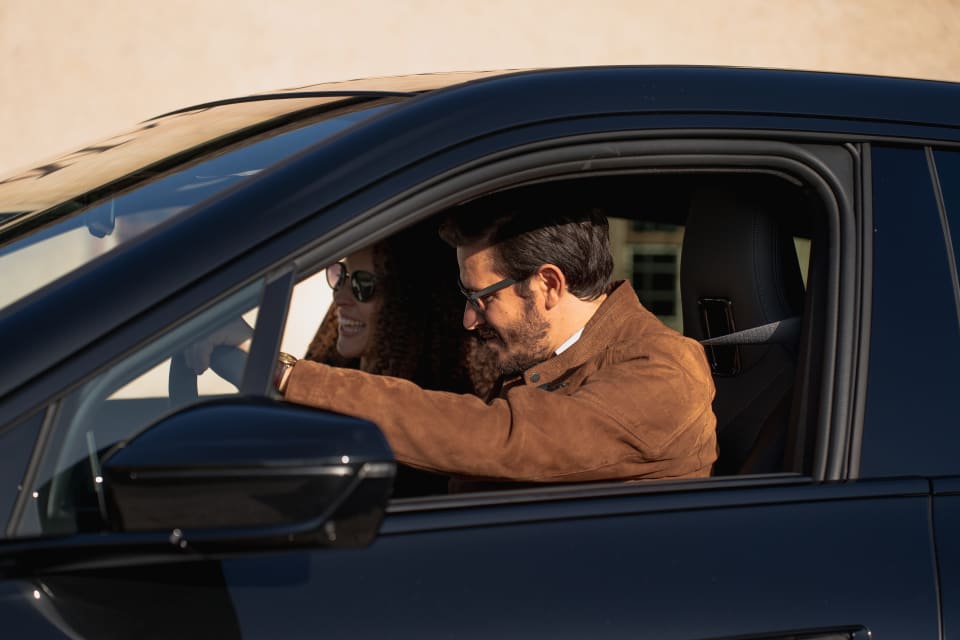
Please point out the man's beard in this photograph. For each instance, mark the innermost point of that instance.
(521, 346)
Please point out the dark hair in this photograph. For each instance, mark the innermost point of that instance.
(418, 333)
(526, 232)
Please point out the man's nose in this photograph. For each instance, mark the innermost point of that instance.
(471, 317)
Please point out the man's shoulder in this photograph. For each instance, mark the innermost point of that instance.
(623, 316)
(631, 330)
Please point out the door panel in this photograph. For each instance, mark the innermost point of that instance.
(827, 565)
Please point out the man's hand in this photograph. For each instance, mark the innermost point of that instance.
(236, 334)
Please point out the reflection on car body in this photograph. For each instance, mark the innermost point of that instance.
(740, 200)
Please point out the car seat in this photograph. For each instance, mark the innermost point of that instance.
(739, 271)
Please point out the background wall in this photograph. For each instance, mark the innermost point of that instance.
(73, 72)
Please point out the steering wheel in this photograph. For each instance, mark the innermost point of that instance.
(227, 362)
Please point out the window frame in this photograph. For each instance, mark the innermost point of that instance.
(612, 154)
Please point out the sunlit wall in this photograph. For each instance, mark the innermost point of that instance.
(73, 72)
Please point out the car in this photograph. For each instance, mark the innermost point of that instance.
(804, 226)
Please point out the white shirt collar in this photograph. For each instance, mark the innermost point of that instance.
(569, 343)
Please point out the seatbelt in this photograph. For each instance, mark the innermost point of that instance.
(779, 332)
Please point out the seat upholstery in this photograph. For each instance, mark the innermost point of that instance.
(739, 270)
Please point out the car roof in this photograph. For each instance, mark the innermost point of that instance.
(686, 88)
(406, 85)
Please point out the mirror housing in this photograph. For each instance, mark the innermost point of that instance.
(226, 477)
(244, 473)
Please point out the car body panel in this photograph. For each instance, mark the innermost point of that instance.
(913, 435)
(946, 519)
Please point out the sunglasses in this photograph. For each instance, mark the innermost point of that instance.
(475, 298)
(363, 284)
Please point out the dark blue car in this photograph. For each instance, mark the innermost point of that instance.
(804, 226)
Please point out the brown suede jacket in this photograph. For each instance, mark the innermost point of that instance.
(630, 400)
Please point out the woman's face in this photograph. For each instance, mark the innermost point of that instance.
(356, 319)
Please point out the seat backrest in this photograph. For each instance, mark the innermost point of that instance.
(739, 270)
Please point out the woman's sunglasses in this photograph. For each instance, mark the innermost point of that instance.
(363, 284)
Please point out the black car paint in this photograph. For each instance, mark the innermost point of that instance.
(754, 557)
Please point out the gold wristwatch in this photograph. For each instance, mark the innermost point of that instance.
(285, 362)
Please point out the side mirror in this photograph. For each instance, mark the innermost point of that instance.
(226, 477)
(254, 473)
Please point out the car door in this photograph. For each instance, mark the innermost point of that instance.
(736, 557)
(762, 557)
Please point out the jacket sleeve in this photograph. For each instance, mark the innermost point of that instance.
(646, 416)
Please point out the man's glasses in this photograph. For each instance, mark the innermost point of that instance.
(363, 284)
(475, 298)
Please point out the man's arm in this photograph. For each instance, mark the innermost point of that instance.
(645, 417)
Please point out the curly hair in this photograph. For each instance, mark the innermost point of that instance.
(418, 333)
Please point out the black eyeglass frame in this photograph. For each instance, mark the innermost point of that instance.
(363, 284)
(476, 298)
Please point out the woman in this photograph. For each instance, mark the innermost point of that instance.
(397, 311)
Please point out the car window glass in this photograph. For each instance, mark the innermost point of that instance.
(16, 443)
(118, 403)
(54, 251)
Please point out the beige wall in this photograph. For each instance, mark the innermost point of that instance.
(74, 71)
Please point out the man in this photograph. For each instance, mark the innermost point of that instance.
(594, 386)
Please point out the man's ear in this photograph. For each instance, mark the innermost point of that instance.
(554, 284)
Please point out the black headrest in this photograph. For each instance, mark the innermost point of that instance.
(736, 250)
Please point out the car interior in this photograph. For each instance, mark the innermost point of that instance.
(728, 259)
(726, 255)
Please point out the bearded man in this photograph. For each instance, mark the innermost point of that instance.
(594, 386)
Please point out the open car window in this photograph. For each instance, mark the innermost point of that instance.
(712, 254)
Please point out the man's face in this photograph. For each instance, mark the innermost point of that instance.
(509, 324)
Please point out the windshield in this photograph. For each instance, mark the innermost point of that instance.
(50, 252)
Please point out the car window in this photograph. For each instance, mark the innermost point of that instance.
(767, 226)
(49, 253)
(115, 405)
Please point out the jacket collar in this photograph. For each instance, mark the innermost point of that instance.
(621, 299)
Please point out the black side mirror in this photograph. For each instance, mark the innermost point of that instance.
(249, 473)
(225, 477)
